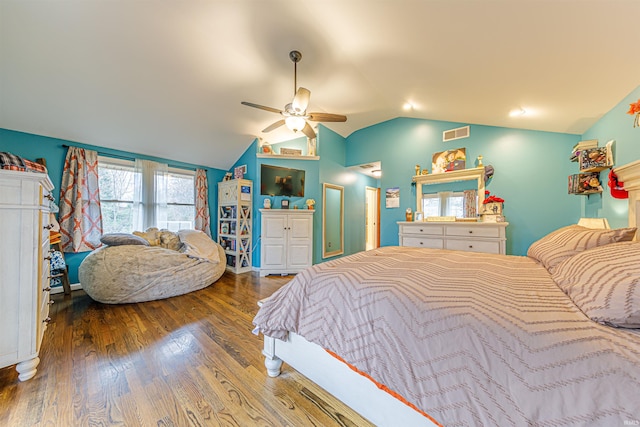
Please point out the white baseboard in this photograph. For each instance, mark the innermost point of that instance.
(60, 289)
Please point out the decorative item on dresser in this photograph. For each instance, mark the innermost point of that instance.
(287, 241)
(24, 263)
(234, 223)
(462, 236)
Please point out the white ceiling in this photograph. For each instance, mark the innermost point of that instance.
(165, 78)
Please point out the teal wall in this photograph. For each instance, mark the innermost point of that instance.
(531, 170)
(32, 146)
(312, 188)
(333, 170)
(616, 125)
(330, 168)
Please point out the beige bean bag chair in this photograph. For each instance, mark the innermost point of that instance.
(129, 269)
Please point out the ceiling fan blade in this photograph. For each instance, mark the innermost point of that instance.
(326, 117)
(308, 131)
(262, 107)
(273, 126)
(301, 100)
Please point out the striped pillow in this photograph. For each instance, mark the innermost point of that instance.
(565, 242)
(604, 283)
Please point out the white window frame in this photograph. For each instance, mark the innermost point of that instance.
(130, 164)
(443, 198)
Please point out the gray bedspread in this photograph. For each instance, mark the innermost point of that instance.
(469, 338)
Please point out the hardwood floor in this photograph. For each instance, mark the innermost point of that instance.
(184, 361)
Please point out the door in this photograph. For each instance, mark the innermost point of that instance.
(372, 215)
(274, 236)
(300, 231)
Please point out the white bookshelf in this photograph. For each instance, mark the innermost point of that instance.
(235, 198)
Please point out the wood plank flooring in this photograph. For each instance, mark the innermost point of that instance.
(184, 361)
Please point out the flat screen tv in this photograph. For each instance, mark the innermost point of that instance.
(279, 181)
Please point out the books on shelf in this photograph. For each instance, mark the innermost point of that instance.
(585, 183)
(596, 159)
(581, 146)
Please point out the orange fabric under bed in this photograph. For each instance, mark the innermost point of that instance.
(385, 388)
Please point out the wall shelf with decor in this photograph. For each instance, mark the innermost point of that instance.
(280, 156)
(592, 160)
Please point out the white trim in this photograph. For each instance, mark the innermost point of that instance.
(348, 386)
(60, 289)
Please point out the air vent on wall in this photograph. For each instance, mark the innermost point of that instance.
(450, 135)
(368, 166)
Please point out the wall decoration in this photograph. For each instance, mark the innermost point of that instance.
(392, 197)
(290, 152)
(450, 160)
(634, 110)
(238, 173)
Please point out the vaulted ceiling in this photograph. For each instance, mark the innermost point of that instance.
(166, 78)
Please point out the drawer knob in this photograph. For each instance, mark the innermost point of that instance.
(47, 289)
(421, 230)
(470, 246)
(48, 227)
(421, 243)
(470, 231)
(47, 320)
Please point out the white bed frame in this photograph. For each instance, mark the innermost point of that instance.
(357, 391)
(353, 389)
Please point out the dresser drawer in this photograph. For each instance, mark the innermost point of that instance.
(473, 246)
(421, 242)
(473, 231)
(422, 229)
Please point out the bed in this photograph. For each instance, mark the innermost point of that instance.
(411, 336)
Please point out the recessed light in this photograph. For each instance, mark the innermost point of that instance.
(407, 106)
(517, 112)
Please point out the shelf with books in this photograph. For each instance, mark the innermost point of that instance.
(235, 223)
(592, 160)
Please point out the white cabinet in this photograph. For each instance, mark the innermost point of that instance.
(286, 241)
(24, 268)
(487, 237)
(235, 223)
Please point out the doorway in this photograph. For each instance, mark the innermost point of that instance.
(372, 218)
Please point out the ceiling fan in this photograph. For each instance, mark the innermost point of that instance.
(295, 115)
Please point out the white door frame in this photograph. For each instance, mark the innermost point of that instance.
(372, 218)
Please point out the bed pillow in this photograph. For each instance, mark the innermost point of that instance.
(565, 242)
(604, 282)
(118, 239)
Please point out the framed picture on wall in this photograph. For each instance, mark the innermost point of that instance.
(450, 160)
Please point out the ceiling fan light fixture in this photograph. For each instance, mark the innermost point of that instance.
(295, 123)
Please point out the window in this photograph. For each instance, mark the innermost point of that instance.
(181, 209)
(443, 204)
(117, 180)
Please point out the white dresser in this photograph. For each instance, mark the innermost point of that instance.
(24, 267)
(487, 237)
(286, 245)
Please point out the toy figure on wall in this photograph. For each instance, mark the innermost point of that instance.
(450, 160)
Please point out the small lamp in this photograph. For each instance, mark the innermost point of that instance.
(601, 223)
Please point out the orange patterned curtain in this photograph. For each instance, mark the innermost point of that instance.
(203, 221)
(80, 215)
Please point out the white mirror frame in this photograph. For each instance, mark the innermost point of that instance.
(328, 221)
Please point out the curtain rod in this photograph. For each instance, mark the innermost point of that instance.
(119, 156)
